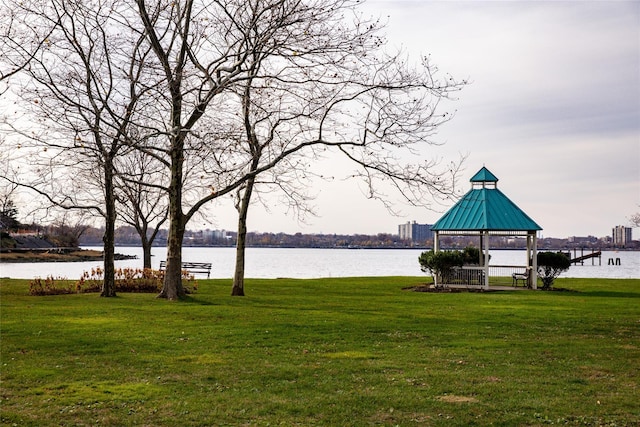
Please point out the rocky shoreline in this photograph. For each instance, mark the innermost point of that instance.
(55, 255)
(34, 248)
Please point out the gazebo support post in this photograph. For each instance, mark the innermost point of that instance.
(529, 258)
(436, 248)
(534, 261)
(484, 236)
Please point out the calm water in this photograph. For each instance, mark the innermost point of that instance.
(313, 263)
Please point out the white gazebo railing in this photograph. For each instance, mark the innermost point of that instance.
(498, 275)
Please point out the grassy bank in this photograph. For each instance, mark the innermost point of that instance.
(334, 352)
(56, 255)
(53, 255)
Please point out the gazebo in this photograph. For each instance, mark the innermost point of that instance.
(485, 211)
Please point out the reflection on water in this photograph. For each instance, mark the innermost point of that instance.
(312, 263)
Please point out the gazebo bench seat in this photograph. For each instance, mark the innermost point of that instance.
(524, 277)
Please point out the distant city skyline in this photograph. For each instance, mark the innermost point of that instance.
(407, 229)
(620, 238)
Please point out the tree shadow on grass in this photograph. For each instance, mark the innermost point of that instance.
(190, 299)
(598, 294)
(611, 294)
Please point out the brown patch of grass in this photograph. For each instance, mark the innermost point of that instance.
(452, 398)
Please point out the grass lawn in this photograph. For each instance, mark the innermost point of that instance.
(331, 352)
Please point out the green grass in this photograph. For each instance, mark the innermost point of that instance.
(332, 352)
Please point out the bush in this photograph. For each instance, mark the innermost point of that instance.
(471, 255)
(127, 280)
(51, 286)
(6, 241)
(550, 266)
(440, 264)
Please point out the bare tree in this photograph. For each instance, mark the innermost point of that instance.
(66, 229)
(338, 91)
(81, 89)
(319, 63)
(260, 129)
(142, 197)
(198, 62)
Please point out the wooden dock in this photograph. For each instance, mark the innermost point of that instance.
(580, 259)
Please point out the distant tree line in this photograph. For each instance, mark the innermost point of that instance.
(127, 235)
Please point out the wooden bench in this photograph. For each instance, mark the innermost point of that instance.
(192, 267)
(521, 276)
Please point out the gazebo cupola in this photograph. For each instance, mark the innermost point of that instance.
(486, 211)
(484, 179)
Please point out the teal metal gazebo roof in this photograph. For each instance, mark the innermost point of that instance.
(485, 208)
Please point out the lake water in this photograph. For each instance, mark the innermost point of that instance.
(314, 263)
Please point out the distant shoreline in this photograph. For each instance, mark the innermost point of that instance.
(424, 248)
(55, 255)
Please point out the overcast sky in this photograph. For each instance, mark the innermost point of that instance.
(553, 111)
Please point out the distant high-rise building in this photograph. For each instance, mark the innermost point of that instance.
(621, 236)
(415, 232)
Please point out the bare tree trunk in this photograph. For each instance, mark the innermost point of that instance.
(243, 209)
(146, 252)
(109, 284)
(172, 288)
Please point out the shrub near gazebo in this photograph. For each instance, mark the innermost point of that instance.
(550, 266)
(440, 264)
